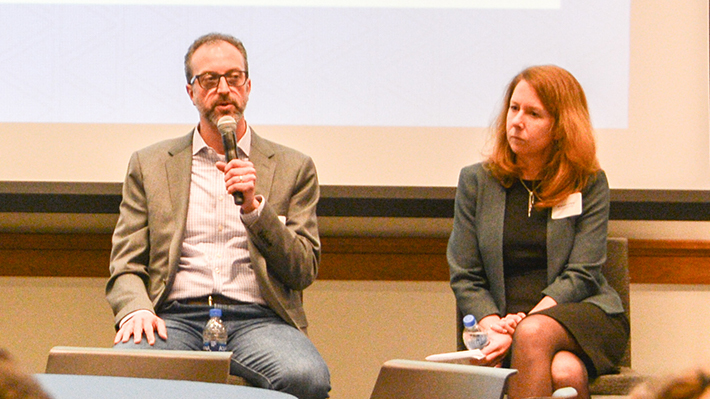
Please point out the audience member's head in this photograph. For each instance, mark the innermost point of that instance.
(688, 385)
(14, 383)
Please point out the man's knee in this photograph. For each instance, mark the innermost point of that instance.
(301, 377)
(310, 380)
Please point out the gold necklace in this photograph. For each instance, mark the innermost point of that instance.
(531, 196)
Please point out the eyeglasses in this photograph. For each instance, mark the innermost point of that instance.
(210, 80)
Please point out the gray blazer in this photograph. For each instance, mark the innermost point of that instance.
(576, 247)
(148, 237)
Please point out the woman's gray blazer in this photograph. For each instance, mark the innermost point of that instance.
(576, 247)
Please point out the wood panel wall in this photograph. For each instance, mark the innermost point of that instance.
(344, 258)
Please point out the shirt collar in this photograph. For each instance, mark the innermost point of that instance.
(198, 142)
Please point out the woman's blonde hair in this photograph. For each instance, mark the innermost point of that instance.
(573, 161)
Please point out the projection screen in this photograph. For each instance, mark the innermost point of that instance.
(379, 93)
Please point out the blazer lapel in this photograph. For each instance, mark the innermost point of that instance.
(491, 236)
(560, 240)
(262, 156)
(178, 169)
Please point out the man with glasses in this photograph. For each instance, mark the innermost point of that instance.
(182, 246)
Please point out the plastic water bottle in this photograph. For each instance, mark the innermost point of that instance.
(214, 337)
(473, 336)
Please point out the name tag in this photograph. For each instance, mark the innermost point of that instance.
(572, 206)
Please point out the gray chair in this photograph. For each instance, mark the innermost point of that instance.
(616, 271)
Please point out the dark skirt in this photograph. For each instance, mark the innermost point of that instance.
(602, 337)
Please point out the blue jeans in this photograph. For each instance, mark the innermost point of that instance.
(267, 352)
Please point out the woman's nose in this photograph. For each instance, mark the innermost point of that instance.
(516, 118)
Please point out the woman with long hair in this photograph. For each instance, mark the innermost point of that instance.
(529, 240)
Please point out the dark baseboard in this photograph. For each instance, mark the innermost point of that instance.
(352, 201)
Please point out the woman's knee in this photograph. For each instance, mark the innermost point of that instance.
(533, 331)
(568, 370)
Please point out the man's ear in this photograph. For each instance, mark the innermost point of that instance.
(190, 93)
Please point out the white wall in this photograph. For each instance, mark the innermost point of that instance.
(356, 325)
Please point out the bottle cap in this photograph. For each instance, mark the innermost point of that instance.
(469, 320)
(214, 312)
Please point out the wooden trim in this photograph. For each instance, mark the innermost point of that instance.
(54, 255)
(669, 262)
(343, 258)
(650, 261)
(390, 259)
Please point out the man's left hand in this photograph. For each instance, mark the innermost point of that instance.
(240, 176)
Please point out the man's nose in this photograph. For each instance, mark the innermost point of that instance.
(222, 87)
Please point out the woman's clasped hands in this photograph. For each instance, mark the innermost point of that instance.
(507, 324)
(500, 337)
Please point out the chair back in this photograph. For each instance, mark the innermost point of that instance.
(142, 363)
(412, 379)
(616, 272)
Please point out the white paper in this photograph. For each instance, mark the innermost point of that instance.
(461, 357)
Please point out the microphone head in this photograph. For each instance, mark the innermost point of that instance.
(227, 125)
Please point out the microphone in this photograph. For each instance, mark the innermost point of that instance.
(227, 127)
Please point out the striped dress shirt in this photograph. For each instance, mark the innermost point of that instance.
(215, 258)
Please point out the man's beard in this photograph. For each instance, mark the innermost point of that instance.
(213, 116)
